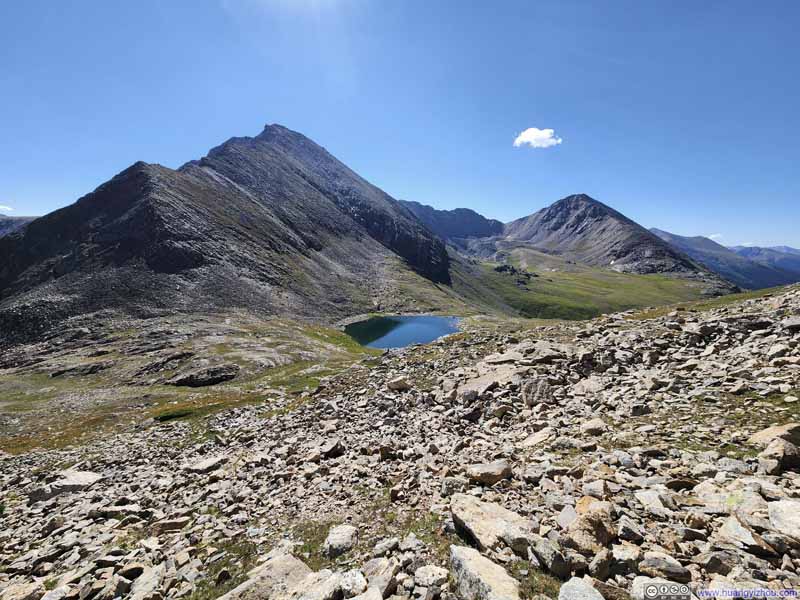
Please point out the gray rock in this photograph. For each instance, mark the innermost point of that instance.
(658, 564)
(578, 589)
(490, 524)
(784, 517)
(206, 376)
(478, 578)
(381, 574)
(431, 576)
(341, 539)
(489, 473)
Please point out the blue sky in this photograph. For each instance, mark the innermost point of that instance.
(682, 115)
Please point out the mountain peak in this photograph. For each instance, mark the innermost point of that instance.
(586, 230)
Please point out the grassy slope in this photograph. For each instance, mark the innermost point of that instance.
(56, 412)
(587, 294)
(562, 289)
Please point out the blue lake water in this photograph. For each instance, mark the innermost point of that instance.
(399, 332)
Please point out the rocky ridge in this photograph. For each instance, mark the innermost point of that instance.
(271, 223)
(742, 271)
(584, 460)
(454, 224)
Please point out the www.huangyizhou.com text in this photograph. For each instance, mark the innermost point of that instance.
(752, 593)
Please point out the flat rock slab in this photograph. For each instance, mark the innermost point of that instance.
(489, 524)
(789, 432)
(206, 376)
(489, 473)
(478, 578)
(212, 463)
(68, 482)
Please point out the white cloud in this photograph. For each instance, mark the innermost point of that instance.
(8, 208)
(716, 237)
(537, 138)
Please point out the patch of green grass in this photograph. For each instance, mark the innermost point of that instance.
(532, 581)
(586, 293)
(705, 304)
(240, 557)
(311, 535)
(50, 583)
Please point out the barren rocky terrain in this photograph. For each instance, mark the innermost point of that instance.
(579, 460)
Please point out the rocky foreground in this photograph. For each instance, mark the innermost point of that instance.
(584, 461)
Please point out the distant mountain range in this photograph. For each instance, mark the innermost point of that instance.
(783, 258)
(746, 267)
(276, 225)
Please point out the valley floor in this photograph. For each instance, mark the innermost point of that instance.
(571, 459)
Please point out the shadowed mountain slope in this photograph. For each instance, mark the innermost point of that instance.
(779, 257)
(453, 224)
(11, 224)
(273, 224)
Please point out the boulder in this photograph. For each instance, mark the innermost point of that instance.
(381, 574)
(278, 576)
(431, 576)
(578, 589)
(206, 376)
(537, 391)
(341, 539)
(658, 564)
(592, 530)
(784, 517)
(789, 432)
(489, 473)
(489, 524)
(478, 578)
